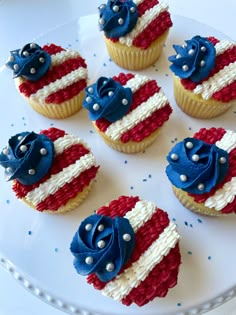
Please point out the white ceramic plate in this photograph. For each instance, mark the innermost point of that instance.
(34, 246)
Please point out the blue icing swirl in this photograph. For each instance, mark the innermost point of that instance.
(107, 99)
(117, 18)
(102, 245)
(27, 158)
(194, 60)
(30, 62)
(196, 166)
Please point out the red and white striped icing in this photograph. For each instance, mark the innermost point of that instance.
(73, 168)
(223, 196)
(156, 242)
(154, 19)
(149, 110)
(220, 85)
(66, 78)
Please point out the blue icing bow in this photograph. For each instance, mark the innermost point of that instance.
(30, 62)
(117, 18)
(27, 158)
(107, 99)
(195, 166)
(102, 245)
(194, 60)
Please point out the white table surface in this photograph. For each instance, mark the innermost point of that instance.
(20, 22)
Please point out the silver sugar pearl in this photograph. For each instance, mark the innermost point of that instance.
(183, 178)
(88, 227)
(185, 68)
(23, 148)
(191, 52)
(101, 244)
(19, 138)
(178, 56)
(88, 99)
(102, 6)
(31, 171)
(115, 8)
(174, 156)
(32, 45)
(101, 21)
(124, 101)
(132, 9)
(43, 151)
(89, 260)
(110, 93)
(96, 106)
(120, 21)
(9, 169)
(11, 59)
(104, 82)
(202, 63)
(5, 151)
(25, 53)
(110, 267)
(189, 145)
(32, 70)
(222, 160)
(16, 67)
(203, 49)
(90, 89)
(100, 227)
(41, 59)
(195, 158)
(126, 237)
(200, 186)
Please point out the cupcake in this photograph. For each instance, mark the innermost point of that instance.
(202, 170)
(134, 31)
(127, 111)
(204, 76)
(129, 250)
(51, 172)
(51, 79)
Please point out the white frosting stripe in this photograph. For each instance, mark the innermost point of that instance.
(218, 81)
(65, 142)
(223, 46)
(65, 81)
(138, 2)
(223, 196)
(140, 214)
(136, 82)
(228, 141)
(139, 270)
(64, 55)
(143, 22)
(56, 181)
(142, 112)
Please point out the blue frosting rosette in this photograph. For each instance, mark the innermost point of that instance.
(195, 166)
(30, 62)
(117, 18)
(194, 60)
(107, 99)
(27, 157)
(102, 245)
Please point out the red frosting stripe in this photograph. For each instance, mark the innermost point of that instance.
(53, 133)
(160, 279)
(68, 191)
(155, 29)
(143, 240)
(146, 5)
(67, 93)
(52, 49)
(211, 136)
(226, 94)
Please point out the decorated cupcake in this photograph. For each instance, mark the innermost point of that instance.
(202, 170)
(205, 80)
(129, 250)
(134, 31)
(51, 79)
(51, 171)
(127, 111)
